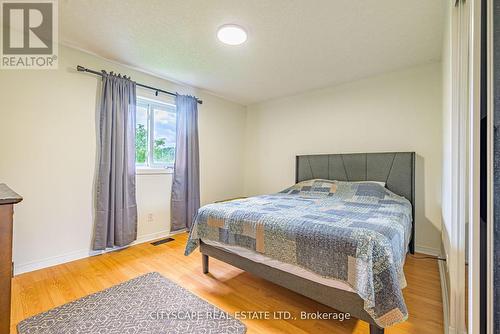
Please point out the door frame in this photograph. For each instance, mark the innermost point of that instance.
(474, 270)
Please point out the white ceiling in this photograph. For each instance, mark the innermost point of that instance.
(293, 45)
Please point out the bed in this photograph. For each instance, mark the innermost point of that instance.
(338, 236)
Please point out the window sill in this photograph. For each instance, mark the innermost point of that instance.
(153, 170)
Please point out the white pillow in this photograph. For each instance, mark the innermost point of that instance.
(377, 182)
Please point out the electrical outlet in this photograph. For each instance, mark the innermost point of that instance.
(150, 217)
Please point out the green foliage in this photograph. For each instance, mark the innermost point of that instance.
(162, 153)
(141, 144)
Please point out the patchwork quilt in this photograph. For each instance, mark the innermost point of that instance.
(354, 232)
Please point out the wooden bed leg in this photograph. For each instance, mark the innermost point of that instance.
(374, 329)
(204, 262)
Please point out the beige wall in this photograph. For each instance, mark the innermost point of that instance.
(398, 111)
(47, 145)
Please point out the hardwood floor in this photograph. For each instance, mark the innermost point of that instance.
(226, 287)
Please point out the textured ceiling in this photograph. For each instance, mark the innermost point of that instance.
(293, 45)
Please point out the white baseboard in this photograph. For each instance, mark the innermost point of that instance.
(50, 261)
(445, 297)
(427, 250)
(83, 253)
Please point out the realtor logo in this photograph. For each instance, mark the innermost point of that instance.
(29, 34)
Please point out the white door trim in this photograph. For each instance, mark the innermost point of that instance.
(474, 167)
(460, 25)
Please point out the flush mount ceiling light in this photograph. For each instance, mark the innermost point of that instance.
(232, 34)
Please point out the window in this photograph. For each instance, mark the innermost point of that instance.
(155, 134)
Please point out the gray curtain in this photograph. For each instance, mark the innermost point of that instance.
(116, 209)
(185, 200)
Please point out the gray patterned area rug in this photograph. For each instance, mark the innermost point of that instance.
(146, 304)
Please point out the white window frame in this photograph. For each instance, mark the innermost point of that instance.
(150, 167)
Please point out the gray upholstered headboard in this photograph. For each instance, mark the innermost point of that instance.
(396, 169)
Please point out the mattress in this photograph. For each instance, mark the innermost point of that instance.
(289, 268)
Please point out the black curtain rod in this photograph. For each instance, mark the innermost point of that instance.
(157, 90)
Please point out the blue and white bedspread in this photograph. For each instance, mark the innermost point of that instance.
(357, 233)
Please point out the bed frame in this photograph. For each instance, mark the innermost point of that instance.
(396, 169)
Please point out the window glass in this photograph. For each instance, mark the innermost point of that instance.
(155, 134)
(164, 136)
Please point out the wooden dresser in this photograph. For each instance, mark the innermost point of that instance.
(7, 200)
